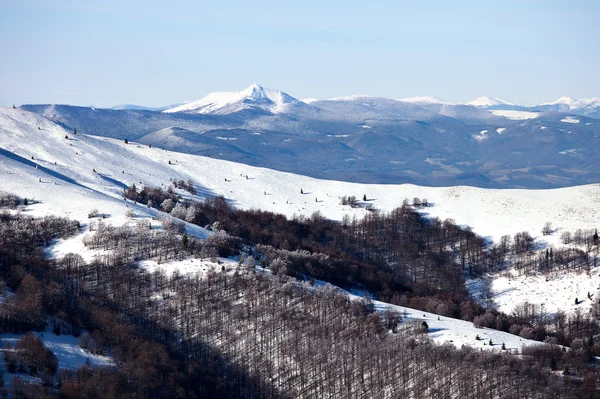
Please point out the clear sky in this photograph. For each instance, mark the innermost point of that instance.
(156, 53)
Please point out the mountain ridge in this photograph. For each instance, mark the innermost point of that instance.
(252, 97)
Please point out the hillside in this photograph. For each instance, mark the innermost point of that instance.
(253, 97)
(364, 139)
(69, 175)
(491, 213)
(39, 162)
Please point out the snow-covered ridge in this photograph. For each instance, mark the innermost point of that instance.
(221, 102)
(575, 104)
(489, 102)
(68, 175)
(353, 97)
(41, 160)
(224, 103)
(516, 115)
(67, 349)
(424, 100)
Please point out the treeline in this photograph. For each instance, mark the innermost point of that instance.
(401, 257)
(240, 333)
(9, 201)
(295, 341)
(74, 296)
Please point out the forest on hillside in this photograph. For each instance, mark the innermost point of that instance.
(266, 332)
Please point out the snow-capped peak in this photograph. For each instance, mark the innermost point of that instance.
(223, 103)
(488, 102)
(424, 100)
(574, 103)
(353, 97)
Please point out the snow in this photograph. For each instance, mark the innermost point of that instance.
(442, 329)
(60, 247)
(71, 188)
(61, 176)
(500, 130)
(223, 103)
(353, 97)
(481, 136)
(572, 151)
(187, 266)
(424, 100)
(66, 348)
(309, 100)
(490, 212)
(458, 332)
(569, 119)
(575, 104)
(555, 291)
(488, 102)
(516, 115)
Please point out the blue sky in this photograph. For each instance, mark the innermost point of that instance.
(154, 53)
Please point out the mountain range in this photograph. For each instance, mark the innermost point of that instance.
(276, 101)
(488, 142)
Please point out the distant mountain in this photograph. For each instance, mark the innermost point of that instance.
(568, 103)
(143, 108)
(487, 102)
(424, 100)
(366, 139)
(589, 107)
(254, 97)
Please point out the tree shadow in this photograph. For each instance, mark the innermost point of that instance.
(44, 169)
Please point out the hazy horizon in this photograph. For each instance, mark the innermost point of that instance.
(151, 54)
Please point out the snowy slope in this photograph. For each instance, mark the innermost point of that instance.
(489, 102)
(143, 108)
(457, 332)
(516, 114)
(576, 104)
(71, 176)
(66, 348)
(490, 212)
(554, 291)
(424, 100)
(254, 96)
(70, 187)
(367, 140)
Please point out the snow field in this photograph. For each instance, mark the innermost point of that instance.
(70, 175)
(66, 348)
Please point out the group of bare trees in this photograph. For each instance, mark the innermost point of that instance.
(153, 197)
(235, 332)
(298, 341)
(9, 201)
(185, 185)
(580, 253)
(400, 256)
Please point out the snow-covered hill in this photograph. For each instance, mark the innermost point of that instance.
(254, 97)
(69, 175)
(486, 102)
(364, 139)
(92, 171)
(446, 330)
(424, 100)
(576, 104)
(142, 107)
